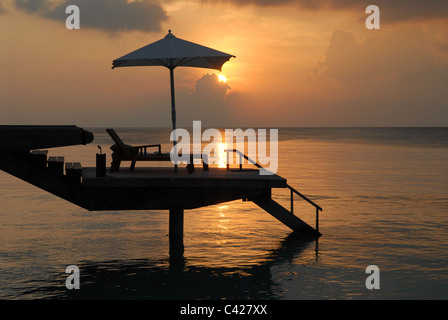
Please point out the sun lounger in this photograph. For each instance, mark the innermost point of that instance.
(123, 152)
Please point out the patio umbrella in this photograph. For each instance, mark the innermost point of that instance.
(172, 52)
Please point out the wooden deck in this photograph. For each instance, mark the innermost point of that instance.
(145, 188)
(166, 177)
(163, 188)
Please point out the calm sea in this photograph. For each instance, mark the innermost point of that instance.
(384, 193)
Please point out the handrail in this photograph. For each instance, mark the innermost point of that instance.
(318, 208)
(304, 197)
(242, 155)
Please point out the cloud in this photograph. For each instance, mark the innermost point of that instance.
(207, 102)
(391, 11)
(404, 53)
(107, 15)
(443, 46)
(389, 78)
(209, 86)
(2, 8)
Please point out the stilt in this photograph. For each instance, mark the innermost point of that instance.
(176, 231)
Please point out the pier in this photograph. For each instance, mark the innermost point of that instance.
(142, 188)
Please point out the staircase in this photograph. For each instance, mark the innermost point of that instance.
(275, 209)
(286, 217)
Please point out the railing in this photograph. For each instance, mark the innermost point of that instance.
(242, 155)
(318, 208)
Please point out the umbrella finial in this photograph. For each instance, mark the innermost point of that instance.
(169, 35)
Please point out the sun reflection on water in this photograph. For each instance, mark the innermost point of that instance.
(222, 155)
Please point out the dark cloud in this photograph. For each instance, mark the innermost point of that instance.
(208, 103)
(391, 78)
(209, 86)
(443, 46)
(391, 10)
(108, 15)
(403, 52)
(33, 6)
(2, 8)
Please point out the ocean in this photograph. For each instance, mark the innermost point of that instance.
(384, 194)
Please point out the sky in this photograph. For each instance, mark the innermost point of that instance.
(298, 63)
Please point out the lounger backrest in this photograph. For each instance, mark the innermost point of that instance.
(116, 138)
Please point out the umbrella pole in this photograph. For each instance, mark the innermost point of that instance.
(173, 114)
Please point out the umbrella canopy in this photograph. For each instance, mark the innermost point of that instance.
(172, 52)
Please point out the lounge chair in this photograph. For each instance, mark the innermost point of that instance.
(123, 152)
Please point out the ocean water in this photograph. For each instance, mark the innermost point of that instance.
(384, 194)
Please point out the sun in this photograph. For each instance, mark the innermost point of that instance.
(222, 78)
(222, 155)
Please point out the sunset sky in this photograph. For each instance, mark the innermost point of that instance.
(298, 63)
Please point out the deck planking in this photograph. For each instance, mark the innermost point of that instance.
(166, 177)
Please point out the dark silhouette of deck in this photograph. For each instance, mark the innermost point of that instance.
(139, 189)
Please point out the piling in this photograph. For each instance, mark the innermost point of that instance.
(176, 230)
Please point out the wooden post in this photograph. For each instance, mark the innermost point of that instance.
(205, 162)
(292, 202)
(190, 166)
(317, 219)
(176, 231)
(173, 111)
(241, 162)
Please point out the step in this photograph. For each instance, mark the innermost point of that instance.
(38, 158)
(73, 171)
(73, 166)
(286, 217)
(56, 165)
